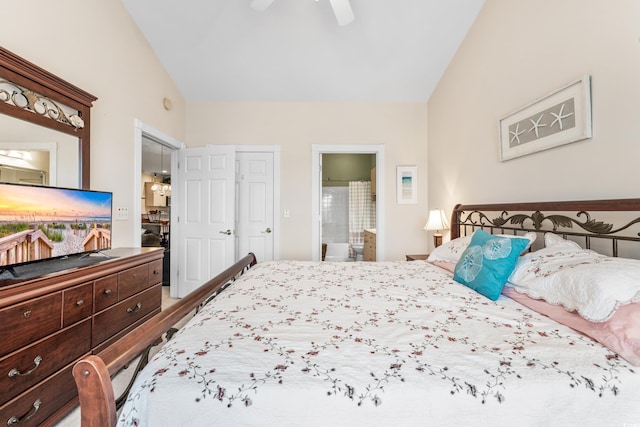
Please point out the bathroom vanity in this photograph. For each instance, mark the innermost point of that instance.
(369, 253)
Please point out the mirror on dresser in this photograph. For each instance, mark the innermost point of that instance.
(43, 114)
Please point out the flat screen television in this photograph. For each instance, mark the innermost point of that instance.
(42, 223)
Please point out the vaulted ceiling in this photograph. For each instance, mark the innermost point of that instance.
(295, 50)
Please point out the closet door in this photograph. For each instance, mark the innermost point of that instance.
(255, 205)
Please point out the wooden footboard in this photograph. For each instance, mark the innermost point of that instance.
(93, 373)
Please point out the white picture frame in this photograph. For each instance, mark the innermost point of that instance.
(562, 117)
(407, 185)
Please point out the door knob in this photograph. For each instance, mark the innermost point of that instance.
(228, 232)
(268, 230)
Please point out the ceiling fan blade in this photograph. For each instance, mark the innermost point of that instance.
(342, 10)
(260, 5)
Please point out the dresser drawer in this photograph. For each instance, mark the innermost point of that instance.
(77, 304)
(41, 401)
(116, 318)
(30, 321)
(105, 292)
(132, 281)
(22, 369)
(155, 272)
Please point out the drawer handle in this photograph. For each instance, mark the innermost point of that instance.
(27, 314)
(27, 416)
(107, 292)
(80, 303)
(136, 309)
(16, 373)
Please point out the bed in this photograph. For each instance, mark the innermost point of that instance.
(406, 343)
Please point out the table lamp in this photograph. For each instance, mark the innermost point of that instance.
(437, 221)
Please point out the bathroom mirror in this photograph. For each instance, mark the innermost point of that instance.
(36, 107)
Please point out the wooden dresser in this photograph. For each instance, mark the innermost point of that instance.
(51, 321)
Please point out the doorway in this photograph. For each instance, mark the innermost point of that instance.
(142, 132)
(156, 198)
(316, 186)
(347, 204)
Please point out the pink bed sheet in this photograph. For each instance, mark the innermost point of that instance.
(621, 333)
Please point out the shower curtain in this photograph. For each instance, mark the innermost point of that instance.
(362, 211)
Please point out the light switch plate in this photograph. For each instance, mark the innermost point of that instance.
(122, 214)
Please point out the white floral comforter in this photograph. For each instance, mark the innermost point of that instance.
(297, 343)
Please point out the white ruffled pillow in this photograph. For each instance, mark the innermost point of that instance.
(580, 280)
(452, 250)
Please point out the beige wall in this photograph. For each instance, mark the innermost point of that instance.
(402, 128)
(95, 45)
(516, 52)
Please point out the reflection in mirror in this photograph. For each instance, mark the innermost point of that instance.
(20, 175)
(53, 152)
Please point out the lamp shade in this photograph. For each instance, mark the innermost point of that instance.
(437, 220)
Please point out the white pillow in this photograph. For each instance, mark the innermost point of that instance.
(452, 250)
(530, 235)
(580, 280)
(554, 240)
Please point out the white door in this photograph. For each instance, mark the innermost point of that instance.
(255, 205)
(203, 194)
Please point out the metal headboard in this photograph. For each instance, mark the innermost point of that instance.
(611, 221)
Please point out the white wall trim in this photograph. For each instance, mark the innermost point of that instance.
(258, 149)
(316, 218)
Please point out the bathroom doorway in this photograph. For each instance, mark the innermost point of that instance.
(373, 172)
(348, 204)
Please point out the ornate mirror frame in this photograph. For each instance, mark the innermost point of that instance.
(31, 93)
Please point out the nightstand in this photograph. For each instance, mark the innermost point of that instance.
(417, 257)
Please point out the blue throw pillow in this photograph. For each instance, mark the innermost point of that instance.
(487, 262)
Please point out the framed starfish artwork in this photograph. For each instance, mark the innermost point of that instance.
(559, 118)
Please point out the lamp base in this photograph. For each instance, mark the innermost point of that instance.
(437, 240)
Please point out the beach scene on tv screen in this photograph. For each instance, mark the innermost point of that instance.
(38, 223)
